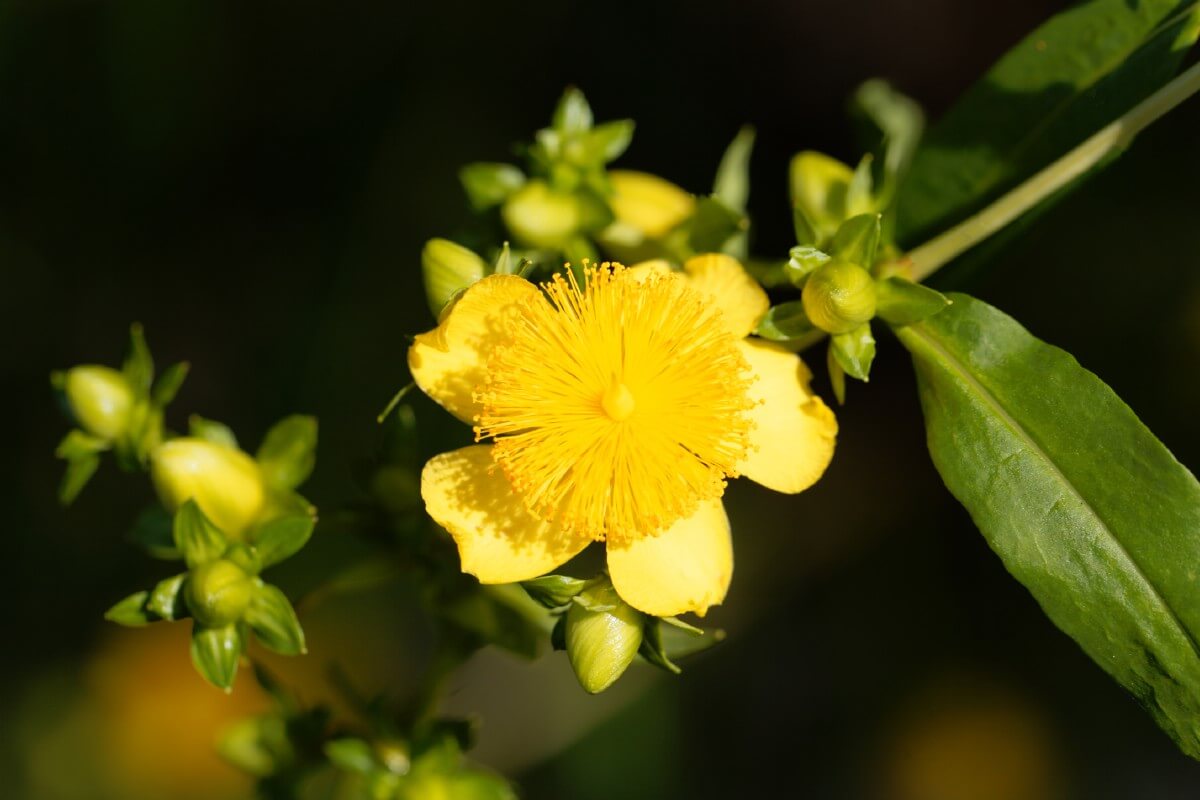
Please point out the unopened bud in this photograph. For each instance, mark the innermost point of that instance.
(838, 297)
(539, 216)
(225, 482)
(647, 203)
(100, 399)
(603, 639)
(218, 592)
(448, 268)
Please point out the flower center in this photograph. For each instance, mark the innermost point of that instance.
(616, 407)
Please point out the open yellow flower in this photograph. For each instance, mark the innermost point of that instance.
(615, 411)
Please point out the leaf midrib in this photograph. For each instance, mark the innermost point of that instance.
(957, 367)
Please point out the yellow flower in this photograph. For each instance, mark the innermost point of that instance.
(647, 203)
(226, 483)
(615, 412)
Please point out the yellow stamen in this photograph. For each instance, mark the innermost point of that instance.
(617, 407)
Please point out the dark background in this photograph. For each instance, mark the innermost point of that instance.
(254, 182)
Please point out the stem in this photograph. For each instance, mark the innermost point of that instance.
(935, 253)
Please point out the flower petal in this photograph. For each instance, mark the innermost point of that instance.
(742, 301)
(649, 204)
(794, 434)
(448, 361)
(685, 568)
(498, 540)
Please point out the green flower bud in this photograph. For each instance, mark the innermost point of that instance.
(218, 593)
(838, 297)
(100, 399)
(447, 268)
(539, 216)
(601, 642)
(225, 482)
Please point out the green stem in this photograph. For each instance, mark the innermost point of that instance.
(940, 250)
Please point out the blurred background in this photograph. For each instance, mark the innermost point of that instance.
(254, 182)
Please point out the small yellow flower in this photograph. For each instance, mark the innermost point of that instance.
(226, 483)
(615, 412)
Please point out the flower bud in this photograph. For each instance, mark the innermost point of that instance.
(447, 268)
(601, 642)
(225, 482)
(838, 297)
(218, 592)
(819, 188)
(538, 216)
(647, 203)
(100, 399)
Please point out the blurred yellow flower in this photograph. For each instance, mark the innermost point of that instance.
(616, 412)
(647, 203)
(226, 483)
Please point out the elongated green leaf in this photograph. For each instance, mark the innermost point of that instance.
(732, 184)
(289, 451)
(1081, 502)
(1062, 83)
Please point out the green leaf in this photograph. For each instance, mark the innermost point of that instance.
(1077, 72)
(1082, 503)
(652, 648)
(901, 122)
(80, 470)
(167, 385)
(859, 198)
(288, 453)
(77, 444)
(555, 591)
(784, 322)
(352, 755)
(152, 530)
(283, 537)
(274, 621)
(196, 537)
(131, 611)
(166, 598)
(857, 240)
(607, 141)
(139, 366)
(573, 114)
(212, 431)
(713, 225)
(805, 230)
(215, 654)
(902, 302)
(854, 351)
(495, 616)
(732, 184)
(489, 184)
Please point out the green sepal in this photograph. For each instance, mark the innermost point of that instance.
(212, 431)
(732, 184)
(784, 322)
(352, 755)
(837, 375)
(652, 647)
(289, 451)
(166, 599)
(572, 114)
(680, 640)
(855, 351)
(802, 261)
(902, 302)
(196, 537)
(283, 537)
(505, 264)
(489, 184)
(713, 225)
(245, 557)
(806, 232)
(858, 193)
(215, 653)
(138, 367)
(857, 240)
(167, 385)
(152, 531)
(606, 142)
(274, 621)
(81, 451)
(555, 591)
(131, 611)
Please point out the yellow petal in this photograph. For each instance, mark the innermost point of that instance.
(498, 540)
(792, 441)
(647, 203)
(741, 300)
(448, 361)
(685, 568)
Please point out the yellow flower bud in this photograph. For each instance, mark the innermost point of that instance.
(538, 216)
(101, 400)
(600, 644)
(226, 483)
(448, 267)
(218, 592)
(647, 203)
(839, 297)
